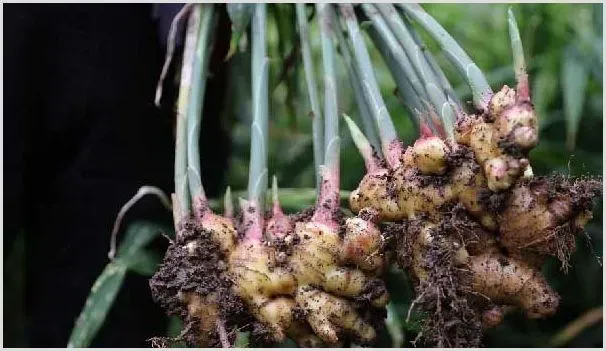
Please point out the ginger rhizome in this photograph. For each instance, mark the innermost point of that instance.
(462, 238)
(473, 225)
(313, 277)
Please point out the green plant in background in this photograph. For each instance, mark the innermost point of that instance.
(562, 44)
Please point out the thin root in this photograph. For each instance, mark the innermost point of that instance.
(144, 190)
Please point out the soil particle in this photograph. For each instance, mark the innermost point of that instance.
(302, 216)
(493, 202)
(261, 335)
(437, 181)
(510, 147)
(452, 320)
(195, 264)
(379, 160)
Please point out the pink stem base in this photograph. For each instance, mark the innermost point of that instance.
(328, 201)
(253, 222)
(393, 152)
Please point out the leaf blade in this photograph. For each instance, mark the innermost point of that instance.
(98, 304)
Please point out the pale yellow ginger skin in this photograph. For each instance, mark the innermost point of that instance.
(327, 314)
(362, 245)
(428, 155)
(511, 281)
(506, 120)
(372, 193)
(272, 291)
(403, 193)
(531, 217)
(261, 285)
(318, 261)
(411, 198)
(222, 231)
(423, 240)
(503, 280)
(205, 310)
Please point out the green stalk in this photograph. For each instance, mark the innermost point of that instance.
(328, 201)
(482, 93)
(353, 73)
(196, 102)
(396, 53)
(331, 122)
(362, 144)
(312, 90)
(411, 100)
(257, 176)
(437, 70)
(421, 66)
(182, 206)
(519, 63)
(387, 131)
(398, 63)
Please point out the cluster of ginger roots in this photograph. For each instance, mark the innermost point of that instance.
(465, 218)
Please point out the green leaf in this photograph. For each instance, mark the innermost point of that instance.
(138, 235)
(98, 303)
(145, 263)
(354, 75)
(372, 92)
(397, 61)
(107, 286)
(173, 330)
(434, 91)
(574, 82)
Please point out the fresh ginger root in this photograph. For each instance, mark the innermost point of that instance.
(307, 269)
(307, 279)
(476, 224)
(192, 282)
(501, 137)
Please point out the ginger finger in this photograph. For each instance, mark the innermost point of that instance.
(509, 281)
(327, 313)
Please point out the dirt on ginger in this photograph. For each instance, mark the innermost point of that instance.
(473, 225)
(312, 277)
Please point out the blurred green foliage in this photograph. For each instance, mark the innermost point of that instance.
(563, 48)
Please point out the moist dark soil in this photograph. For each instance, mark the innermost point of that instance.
(452, 319)
(493, 202)
(510, 147)
(193, 263)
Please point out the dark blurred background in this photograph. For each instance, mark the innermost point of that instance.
(48, 76)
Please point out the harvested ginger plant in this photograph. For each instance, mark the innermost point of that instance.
(473, 225)
(461, 209)
(311, 277)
